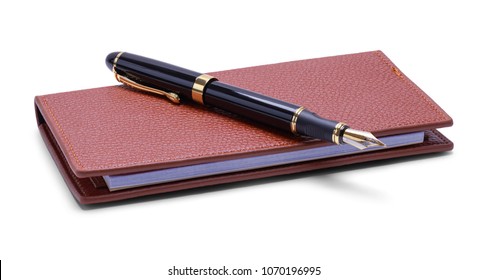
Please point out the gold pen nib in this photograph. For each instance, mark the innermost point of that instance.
(361, 139)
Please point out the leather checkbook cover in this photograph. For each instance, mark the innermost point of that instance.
(116, 130)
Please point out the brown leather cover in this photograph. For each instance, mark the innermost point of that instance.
(116, 130)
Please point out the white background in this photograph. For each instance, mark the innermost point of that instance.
(419, 218)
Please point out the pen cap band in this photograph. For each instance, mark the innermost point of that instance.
(115, 62)
(338, 132)
(294, 120)
(199, 87)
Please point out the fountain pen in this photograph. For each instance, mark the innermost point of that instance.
(178, 83)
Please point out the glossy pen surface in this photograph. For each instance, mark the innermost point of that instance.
(176, 82)
(247, 103)
(151, 72)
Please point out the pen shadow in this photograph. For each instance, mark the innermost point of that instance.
(322, 175)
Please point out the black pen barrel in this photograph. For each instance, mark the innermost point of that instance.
(270, 111)
(252, 105)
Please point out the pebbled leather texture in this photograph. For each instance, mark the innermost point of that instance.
(114, 130)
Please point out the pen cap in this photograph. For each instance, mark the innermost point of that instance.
(109, 61)
(153, 73)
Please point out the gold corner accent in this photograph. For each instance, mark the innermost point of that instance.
(124, 80)
(335, 137)
(396, 71)
(199, 85)
(294, 120)
(116, 60)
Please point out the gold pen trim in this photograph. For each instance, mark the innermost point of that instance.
(126, 81)
(170, 95)
(335, 137)
(294, 120)
(115, 61)
(199, 85)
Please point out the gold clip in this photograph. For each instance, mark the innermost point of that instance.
(171, 96)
